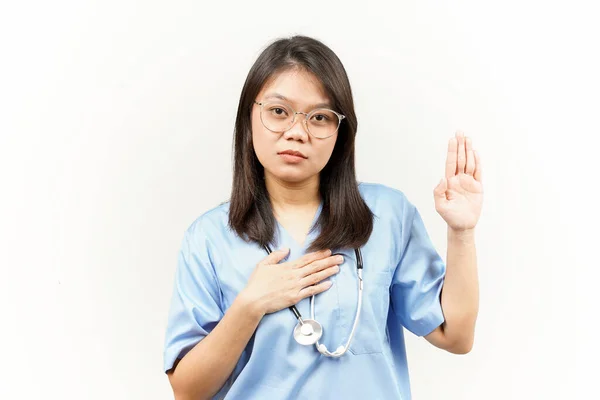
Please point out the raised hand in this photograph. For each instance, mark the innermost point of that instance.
(459, 195)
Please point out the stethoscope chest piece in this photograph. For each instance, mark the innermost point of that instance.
(308, 332)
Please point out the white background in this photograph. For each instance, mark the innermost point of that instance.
(116, 121)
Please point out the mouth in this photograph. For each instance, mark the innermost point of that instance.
(292, 153)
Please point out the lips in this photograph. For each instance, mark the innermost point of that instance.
(292, 153)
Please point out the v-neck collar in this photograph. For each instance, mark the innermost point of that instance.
(290, 239)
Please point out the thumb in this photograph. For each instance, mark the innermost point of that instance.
(276, 256)
(440, 190)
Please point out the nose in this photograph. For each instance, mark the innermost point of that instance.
(298, 130)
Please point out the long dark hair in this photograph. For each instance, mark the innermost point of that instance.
(345, 220)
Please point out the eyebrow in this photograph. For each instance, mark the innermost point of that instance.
(282, 97)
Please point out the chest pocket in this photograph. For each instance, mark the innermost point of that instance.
(371, 331)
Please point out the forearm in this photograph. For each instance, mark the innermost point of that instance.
(206, 368)
(460, 293)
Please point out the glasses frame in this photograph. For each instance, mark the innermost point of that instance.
(294, 112)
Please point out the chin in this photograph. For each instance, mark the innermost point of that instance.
(287, 175)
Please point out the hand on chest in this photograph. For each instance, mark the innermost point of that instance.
(335, 308)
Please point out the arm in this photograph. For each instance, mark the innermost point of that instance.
(460, 295)
(201, 373)
(459, 200)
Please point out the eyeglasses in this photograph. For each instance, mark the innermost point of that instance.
(279, 117)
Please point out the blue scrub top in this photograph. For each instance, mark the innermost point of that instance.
(403, 278)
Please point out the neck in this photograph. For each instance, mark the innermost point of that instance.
(290, 196)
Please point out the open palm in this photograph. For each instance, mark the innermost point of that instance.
(459, 195)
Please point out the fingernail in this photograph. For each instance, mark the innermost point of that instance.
(340, 259)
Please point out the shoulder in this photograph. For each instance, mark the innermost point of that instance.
(383, 199)
(371, 189)
(211, 222)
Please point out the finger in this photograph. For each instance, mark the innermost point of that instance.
(320, 265)
(310, 257)
(461, 156)
(478, 170)
(275, 257)
(470, 166)
(440, 189)
(313, 290)
(451, 158)
(317, 277)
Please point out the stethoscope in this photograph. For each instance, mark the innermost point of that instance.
(309, 331)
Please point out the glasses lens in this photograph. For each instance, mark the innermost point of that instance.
(277, 117)
(323, 123)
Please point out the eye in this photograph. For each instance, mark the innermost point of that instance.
(323, 117)
(278, 111)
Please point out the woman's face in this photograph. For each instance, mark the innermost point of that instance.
(303, 92)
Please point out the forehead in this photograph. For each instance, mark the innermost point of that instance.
(298, 87)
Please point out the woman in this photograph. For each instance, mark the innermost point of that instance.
(230, 334)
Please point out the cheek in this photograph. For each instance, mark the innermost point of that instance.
(261, 140)
(324, 151)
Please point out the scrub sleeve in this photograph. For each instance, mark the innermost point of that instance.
(418, 279)
(195, 305)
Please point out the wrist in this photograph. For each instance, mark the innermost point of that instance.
(461, 234)
(250, 305)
